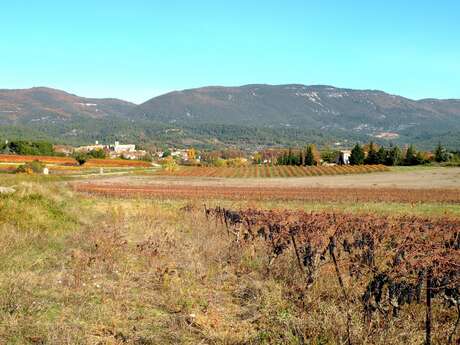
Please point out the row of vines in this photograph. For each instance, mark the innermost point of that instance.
(66, 163)
(273, 171)
(382, 265)
(43, 159)
(311, 194)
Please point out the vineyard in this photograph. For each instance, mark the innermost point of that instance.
(274, 193)
(273, 171)
(44, 159)
(116, 163)
(385, 268)
(68, 164)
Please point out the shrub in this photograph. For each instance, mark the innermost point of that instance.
(441, 154)
(237, 162)
(394, 156)
(81, 157)
(97, 154)
(411, 156)
(219, 162)
(35, 167)
(169, 164)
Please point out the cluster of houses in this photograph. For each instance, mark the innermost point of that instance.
(181, 154)
(127, 151)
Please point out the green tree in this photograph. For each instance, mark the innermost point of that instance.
(31, 148)
(309, 157)
(80, 157)
(330, 156)
(394, 156)
(441, 154)
(31, 167)
(290, 159)
(411, 156)
(97, 154)
(301, 158)
(372, 156)
(357, 155)
(382, 155)
(166, 153)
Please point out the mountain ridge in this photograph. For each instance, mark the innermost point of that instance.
(255, 114)
(40, 100)
(297, 103)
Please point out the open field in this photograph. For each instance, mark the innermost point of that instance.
(116, 163)
(43, 159)
(274, 193)
(84, 268)
(266, 171)
(68, 165)
(401, 177)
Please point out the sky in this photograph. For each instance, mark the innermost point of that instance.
(135, 50)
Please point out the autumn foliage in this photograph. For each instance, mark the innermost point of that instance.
(383, 265)
(273, 171)
(43, 159)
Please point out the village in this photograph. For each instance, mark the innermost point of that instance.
(309, 155)
(190, 156)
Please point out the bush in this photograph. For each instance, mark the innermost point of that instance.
(169, 164)
(441, 155)
(237, 162)
(97, 154)
(35, 167)
(80, 157)
(147, 157)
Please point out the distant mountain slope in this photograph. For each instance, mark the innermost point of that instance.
(246, 116)
(40, 104)
(312, 107)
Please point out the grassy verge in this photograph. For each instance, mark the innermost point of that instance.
(90, 270)
(9, 179)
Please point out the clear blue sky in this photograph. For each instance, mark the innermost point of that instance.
(138, 49)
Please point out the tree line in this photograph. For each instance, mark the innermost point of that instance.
(360, 154)
(20, 147)
(393, 155)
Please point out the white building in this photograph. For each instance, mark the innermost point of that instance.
(344, 157)
(122, 148)
(89, 148)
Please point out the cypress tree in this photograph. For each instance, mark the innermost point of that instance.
(372, 157)
(394, 156)
(411, 156)
(382, 155)
(309, 157)
(440, 154)
(357, 155)
(301, 160)
(290, 158)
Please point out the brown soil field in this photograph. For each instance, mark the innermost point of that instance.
(275, 193)
(406, 178)
(266, 171)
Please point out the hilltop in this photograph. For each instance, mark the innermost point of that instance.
(255, 114)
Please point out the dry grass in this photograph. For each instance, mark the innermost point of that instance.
(88, 270)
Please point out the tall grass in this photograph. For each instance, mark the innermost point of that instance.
(86, 270)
